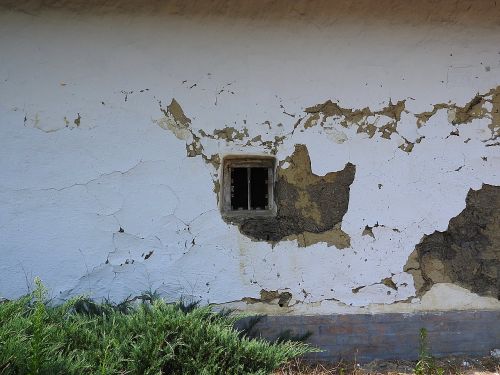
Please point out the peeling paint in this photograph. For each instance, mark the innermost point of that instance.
(332, 237)
(474, 109)
(359, 117)
(271, 296)
(368, 231)
(310, 207)
(387, 281)
(175, 120)
(468, 252)
(228, 134)
(123, 204)
(77, 120)
(423, 117)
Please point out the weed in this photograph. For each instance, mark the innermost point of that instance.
(426, 364)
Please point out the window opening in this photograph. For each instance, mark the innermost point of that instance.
(249, 188)
(248, 185)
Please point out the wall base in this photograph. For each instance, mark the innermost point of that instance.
(367, 337)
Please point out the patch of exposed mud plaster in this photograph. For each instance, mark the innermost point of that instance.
(282, 299)
(384, 122)
(423, 117)
(310, 208)
(441, 297)
(175, 120)
(228, 134)
(320, 113)
(495, 114)
(474, 109)
(468, 252)
(387, 281)
(72, 124)
(333, 237)
(180, 125)
(271, 145)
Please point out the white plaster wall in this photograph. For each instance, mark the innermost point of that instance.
(66, 190)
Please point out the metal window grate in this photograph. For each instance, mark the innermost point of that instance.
(248, 185)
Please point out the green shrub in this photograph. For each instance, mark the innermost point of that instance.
(149, 338)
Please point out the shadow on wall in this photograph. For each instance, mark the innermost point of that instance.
(461, 12)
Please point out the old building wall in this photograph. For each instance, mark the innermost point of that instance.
(384, 120)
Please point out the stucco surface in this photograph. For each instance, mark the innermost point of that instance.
(113, 123)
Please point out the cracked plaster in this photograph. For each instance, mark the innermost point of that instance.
(98, 173)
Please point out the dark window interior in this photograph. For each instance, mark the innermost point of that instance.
(239, 189)
(249, 188)
(258, 188)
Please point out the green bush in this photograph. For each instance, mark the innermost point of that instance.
(149, 338)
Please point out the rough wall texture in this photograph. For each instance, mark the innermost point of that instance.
(385, 126)
(310, 207)
(468, 252)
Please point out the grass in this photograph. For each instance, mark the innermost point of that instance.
(425, 365)
(151, 337)
(462, 365)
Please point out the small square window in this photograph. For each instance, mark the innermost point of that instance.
(248, 184)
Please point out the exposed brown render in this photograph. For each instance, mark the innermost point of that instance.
(310, 207)
(359, 117)
(474, 109)
(270, 296)
(363, 118)
(468, 252)
(307, 210)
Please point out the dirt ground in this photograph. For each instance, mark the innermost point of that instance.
(442, 366)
